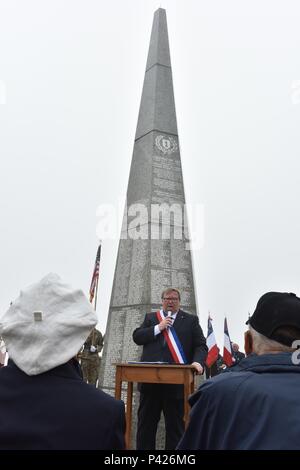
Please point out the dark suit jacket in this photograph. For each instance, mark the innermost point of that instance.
(57, 410)
(189, 333)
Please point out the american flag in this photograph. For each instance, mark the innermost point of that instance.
(95, 275)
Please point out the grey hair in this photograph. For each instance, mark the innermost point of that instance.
(263, 345)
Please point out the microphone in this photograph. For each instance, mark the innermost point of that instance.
(170, 316)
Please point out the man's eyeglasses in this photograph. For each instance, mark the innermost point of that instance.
(171, 299)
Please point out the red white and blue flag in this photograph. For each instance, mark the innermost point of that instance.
(213, 350)
(227, 354)
(95, 276)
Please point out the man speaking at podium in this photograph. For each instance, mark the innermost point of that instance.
(173, 336)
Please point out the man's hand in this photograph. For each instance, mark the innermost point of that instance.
(198, 368)
(165, 323)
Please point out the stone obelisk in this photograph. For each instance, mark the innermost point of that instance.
(154, 244)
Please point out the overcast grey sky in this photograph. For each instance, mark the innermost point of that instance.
(71, 76)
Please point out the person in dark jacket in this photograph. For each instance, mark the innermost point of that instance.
(237, 355)
(255, 404)
(170, 324)
(44, 403)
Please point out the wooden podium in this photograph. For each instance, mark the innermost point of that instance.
(152, 373)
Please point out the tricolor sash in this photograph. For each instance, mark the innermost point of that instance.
(172, 341)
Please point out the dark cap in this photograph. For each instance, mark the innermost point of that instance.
(275, 310)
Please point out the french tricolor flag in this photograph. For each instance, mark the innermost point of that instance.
(227, 354)
(213, 350)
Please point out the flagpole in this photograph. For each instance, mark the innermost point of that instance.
(96, 294)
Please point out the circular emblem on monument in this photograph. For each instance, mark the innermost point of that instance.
(166, 144)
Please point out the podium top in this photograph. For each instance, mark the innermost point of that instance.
(153, 364)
